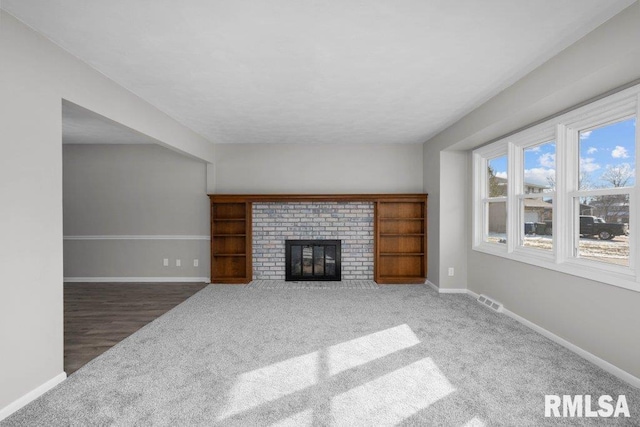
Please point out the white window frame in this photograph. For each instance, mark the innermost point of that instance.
(564, 130)
(530, 138)
(489, 154)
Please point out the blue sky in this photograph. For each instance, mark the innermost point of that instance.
(601, 148)
(608, 146)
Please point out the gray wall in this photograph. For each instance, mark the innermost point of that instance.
(431, 163)
(34, 78)
(315, 168)
(133, 190)
(455, 174)
(599, 318)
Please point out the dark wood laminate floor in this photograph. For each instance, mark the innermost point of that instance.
(99, 315)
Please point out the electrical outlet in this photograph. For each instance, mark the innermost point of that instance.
(165, 262)
(178, 263)
(451, 271)
(195, 262)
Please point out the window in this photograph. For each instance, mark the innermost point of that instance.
(606, 178)
(536, 196)
(562, 194)
(496, 202)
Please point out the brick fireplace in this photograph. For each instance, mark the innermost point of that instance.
(275, 222)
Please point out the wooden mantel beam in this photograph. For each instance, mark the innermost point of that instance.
(231, 198)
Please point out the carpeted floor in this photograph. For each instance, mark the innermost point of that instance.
(232, 355)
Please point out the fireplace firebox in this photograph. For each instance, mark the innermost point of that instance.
(312, 260)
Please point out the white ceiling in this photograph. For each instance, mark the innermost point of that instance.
(81, 126)
(373, 71)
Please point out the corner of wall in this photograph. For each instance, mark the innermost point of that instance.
(453, 219)
(431, 186)
(211, 178)
(17, 404)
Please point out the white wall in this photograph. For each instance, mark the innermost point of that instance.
(133, 190)
(454, 174)
(34, 78)
(431, 186)
(599, 62)
(599, 318)
(318, 168)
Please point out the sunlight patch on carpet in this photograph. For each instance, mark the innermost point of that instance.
(386, 400)
(393, 397)
(475, 422)
(304, 418)
(349, 354)
(272, 382)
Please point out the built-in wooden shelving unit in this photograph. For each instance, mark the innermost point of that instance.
(401, 245)
(400, 234)
(230, 242)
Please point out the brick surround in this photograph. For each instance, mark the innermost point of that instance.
(351, 222)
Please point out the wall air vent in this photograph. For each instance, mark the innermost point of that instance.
(488, 302)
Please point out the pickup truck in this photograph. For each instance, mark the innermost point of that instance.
(594, 226)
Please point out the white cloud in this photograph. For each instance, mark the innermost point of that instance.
(501, 174)
(587, 164)
(619, 152)
(547, 160)
(539, 176)
(534, 149)
(585, 135)
(592, 150)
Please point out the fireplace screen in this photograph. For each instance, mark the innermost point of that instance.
(312, 260)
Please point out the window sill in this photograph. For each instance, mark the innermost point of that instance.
(575, 267)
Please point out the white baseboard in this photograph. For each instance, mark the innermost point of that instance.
(472, 294)
(31, 396)
(136, 279)
(452, 291)
(447, 290)
(601, 363)
(433, 286)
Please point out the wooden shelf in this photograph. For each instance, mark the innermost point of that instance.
(400, 242)
(230, 247)
(240, 255)
(409, 280)
(402, 254)
(229, 280)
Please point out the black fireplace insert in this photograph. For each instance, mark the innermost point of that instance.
(312, 260)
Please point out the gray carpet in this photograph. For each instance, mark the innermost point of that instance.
(397, 355)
